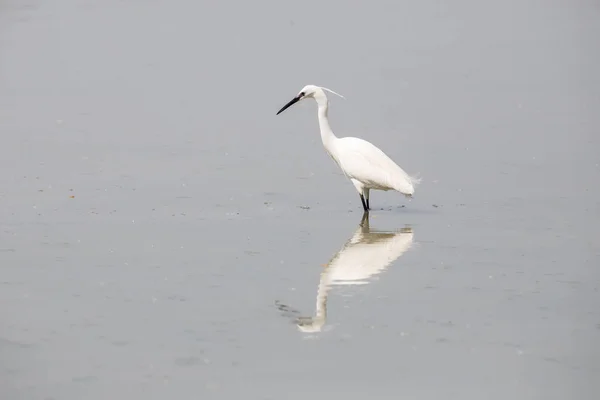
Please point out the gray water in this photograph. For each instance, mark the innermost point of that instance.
(163, 235)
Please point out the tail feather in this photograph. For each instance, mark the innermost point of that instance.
(408, 187)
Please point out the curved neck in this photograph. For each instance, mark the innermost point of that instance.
(327, 135)
(321, 309)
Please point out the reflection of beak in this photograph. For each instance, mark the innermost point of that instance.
(291, 103)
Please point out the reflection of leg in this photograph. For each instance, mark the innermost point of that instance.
(362, 198)
(367, 194)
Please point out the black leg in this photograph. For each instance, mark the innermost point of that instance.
(368, 205)
(365, 207)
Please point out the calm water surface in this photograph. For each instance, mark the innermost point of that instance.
(164, 235)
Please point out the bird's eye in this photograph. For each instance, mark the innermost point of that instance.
(301, 94)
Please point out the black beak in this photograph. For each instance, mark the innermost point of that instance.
(291, 103)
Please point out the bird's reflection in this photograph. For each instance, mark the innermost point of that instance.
(366, 254)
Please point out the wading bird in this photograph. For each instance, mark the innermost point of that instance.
(365, 165)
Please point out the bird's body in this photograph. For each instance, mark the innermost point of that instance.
(367, 166)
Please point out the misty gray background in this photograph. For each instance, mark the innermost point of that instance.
(195, 208)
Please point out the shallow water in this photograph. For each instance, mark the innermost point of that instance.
(163, 233)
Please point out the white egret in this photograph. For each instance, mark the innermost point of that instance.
(364, 164)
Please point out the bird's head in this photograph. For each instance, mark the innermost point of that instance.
(308, 91)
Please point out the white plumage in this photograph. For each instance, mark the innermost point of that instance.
(364, 164)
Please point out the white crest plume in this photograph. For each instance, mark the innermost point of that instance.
(331, 91)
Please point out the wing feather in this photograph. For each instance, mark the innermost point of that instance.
(366, 163)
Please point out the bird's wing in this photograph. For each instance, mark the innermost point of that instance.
(372, 255)
(365, 162)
